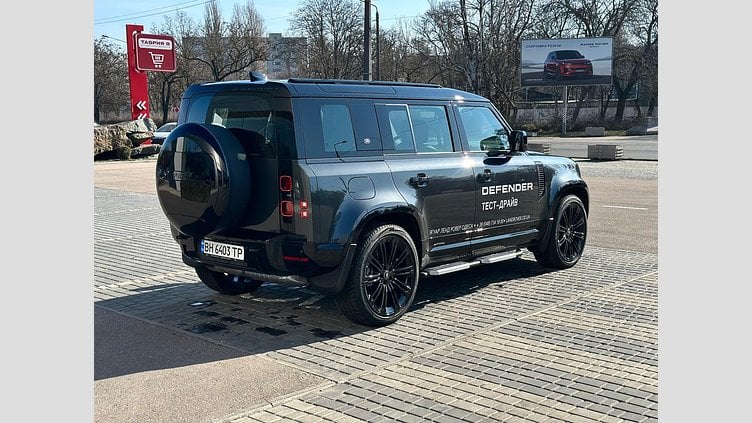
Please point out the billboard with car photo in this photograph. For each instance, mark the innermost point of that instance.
(568, 61)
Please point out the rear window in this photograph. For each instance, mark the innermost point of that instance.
(262, 123)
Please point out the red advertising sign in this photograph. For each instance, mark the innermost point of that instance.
(155, 53)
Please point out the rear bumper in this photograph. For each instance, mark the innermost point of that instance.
(279, 259)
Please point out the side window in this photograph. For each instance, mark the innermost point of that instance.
(431, 129)
(394, 122)
(339, 128)
(482, 129)
(415, 128)
(366, 128)
(336, 128)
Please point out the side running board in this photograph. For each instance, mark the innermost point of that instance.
(464, 265)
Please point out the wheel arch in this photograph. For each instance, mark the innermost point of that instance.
(400, 216)
(559, 191)
(578, 188)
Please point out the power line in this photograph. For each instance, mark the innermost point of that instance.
(400, 17)
(135, 15)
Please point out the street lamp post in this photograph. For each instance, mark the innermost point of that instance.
(367, 41)
(367, 67)
(378, 50)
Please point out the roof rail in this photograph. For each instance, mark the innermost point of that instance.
(360, 82)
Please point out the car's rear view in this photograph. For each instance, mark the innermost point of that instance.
(228, 184)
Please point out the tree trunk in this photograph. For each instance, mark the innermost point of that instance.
(580, 101)
(651, 105)
(620, 105)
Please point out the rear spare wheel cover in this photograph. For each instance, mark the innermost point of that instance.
(203, 179)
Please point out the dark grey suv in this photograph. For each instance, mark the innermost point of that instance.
(358, 189)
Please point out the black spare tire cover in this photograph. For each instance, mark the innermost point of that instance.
(203, 179)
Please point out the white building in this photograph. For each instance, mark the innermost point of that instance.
(285, 56)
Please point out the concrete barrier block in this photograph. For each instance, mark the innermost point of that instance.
(544, 148)
(595, 131)
(605, 151)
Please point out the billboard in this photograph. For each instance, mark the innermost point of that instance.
(567, 61)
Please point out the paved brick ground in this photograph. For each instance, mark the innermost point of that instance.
(508, 342)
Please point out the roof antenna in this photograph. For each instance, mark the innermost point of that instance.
(256, 76)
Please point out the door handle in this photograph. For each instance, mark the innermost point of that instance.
(420, 180)
(486, 176)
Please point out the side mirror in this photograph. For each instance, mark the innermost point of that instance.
(519, 140)
(491, 145)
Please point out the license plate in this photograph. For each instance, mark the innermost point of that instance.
(219, 249)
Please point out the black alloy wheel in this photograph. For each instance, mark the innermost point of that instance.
(571, 229)
(384, 278)
(566, 244)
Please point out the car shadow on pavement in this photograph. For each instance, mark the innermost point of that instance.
(180, 324)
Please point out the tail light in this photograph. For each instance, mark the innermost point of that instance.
(287, 201)
(287, 208)
(285, 183)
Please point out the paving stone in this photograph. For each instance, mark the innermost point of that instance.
(504, 342)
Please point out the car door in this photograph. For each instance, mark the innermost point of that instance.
(508, 193)
(431, 172)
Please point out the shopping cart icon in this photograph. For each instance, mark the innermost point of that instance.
(157, 59)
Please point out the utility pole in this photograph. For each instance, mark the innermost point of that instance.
(377, 74)
(367, 41)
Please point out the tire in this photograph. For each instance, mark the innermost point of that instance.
(565, 244)
(202, 184)
(383, 278)
(226, 283)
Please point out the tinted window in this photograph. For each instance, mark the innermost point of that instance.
(336, 128)
(411, 128)
(482, 129)
(430, 128)
(339, 128)
(261, 123)
(395, 128)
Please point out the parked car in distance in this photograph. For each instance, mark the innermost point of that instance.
(162, 132)
(565, 64)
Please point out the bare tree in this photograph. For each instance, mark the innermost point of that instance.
(643, 34)
(229, 49)
(334, 31)
(406, 57)
(110, 79)
(165, 88)
(476, 45)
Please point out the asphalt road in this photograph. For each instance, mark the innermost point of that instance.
(638, 147)
(147, 370)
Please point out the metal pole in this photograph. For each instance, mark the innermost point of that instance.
(564, 118)
(367, 41)
(378, 47)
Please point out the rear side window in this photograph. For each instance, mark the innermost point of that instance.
(336, 128)
(339, 128)
(482, 128)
